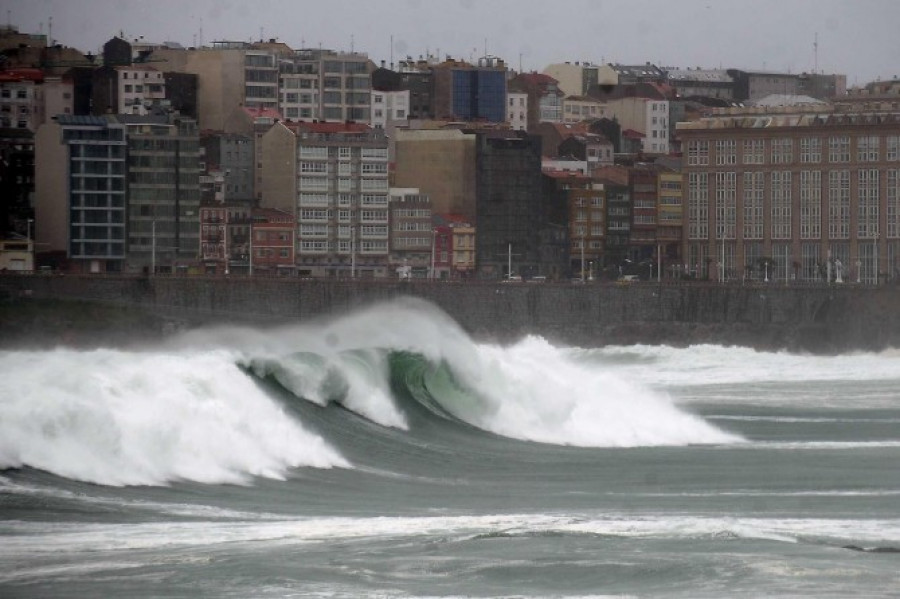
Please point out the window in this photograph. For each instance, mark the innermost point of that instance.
(893, 147)
(754, 151)
(782, 150)
(698, 205)
(698, 153)
(810, 204)
(839, 204)
(867, 148)
(839, 149)
(754, 189)
(781, 204)
(726, 151)
(810, 149)
(867, 215)
(893, 203)
(726, 196)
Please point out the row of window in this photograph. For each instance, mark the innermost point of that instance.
(835, 206)
(837, 149)
(343, 152)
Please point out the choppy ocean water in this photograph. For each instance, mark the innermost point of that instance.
(386, 454)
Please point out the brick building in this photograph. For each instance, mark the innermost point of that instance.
(794, 194)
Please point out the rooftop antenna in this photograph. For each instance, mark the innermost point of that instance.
(392, 52)
(351, 43)
(50, 30)
(520, 62)
(816, 53)
(201, 32)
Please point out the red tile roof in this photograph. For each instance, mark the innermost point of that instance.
(11, 75)
(255, 112)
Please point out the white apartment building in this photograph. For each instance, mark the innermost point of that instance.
(517, 110)
(389, 107)
(139, 87)
(21, 100)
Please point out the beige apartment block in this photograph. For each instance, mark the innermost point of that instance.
(229, 74)
(647, 116)
(794, 194)
(441, 163)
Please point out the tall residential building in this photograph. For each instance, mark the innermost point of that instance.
(334, 178)
(16, 179)
(510, 214)
(230, 156)
(669, 222)
(794, 194)
(80, 192)
(586, 216)
(163, 192)
(412, 234)
(326, 85)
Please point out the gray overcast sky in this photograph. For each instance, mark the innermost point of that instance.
(857, 38)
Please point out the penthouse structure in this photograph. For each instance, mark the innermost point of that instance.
(804, 194)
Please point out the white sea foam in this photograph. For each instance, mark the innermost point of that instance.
(24, 539)
(535, 391)
(531, 390)
(716, 365)
(126, 418)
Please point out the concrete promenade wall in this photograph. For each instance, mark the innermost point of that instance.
(822, 319)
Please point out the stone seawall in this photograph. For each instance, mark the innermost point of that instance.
(819, 319)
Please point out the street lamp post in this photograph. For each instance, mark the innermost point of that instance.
(582, 255)
(876, 258)
(30, 243)
(153, 249)
(352, 252)
(433, 249)
(722, 280)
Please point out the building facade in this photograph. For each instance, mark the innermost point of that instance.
(81, 192)
(412, 234)
(800, 195)
(333, 177)
(510, 212)
(163, 192)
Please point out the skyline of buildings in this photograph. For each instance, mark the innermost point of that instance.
(544, 169)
